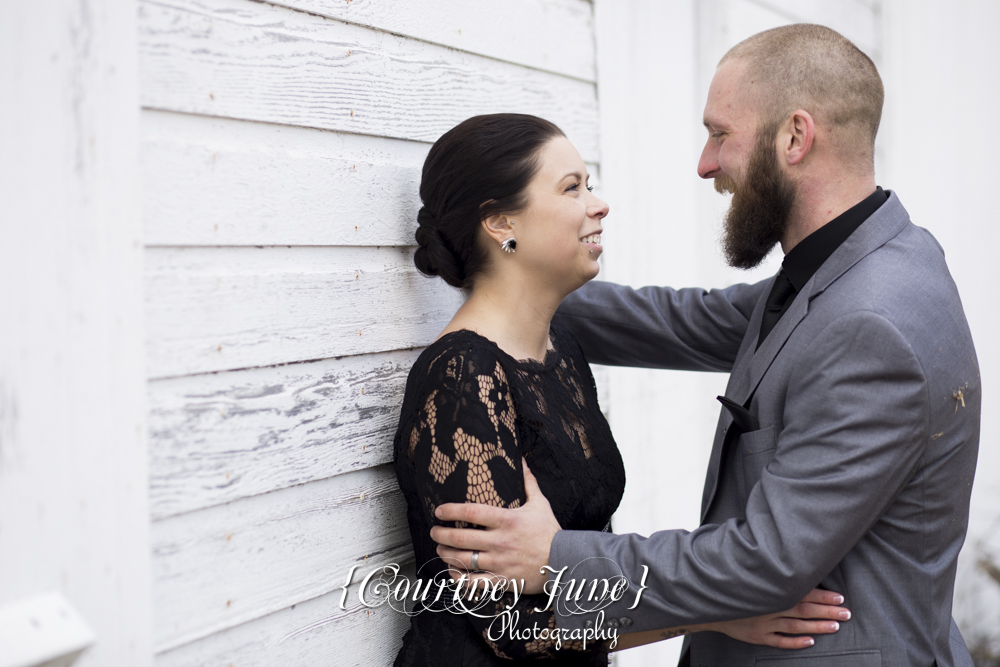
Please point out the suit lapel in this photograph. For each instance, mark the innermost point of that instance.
(750, 367)
(738, 379)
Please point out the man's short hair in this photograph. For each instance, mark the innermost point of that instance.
(811, 67)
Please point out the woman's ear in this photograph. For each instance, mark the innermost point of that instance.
(796, 137)
(499, 228)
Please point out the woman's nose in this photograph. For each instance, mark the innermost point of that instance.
(599, 209)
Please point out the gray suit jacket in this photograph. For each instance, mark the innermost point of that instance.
(867, 393)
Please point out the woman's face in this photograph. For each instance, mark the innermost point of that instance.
(559, 234)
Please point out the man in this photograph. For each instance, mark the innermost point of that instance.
(846, 447)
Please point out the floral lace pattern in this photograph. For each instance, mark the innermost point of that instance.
(471, 412)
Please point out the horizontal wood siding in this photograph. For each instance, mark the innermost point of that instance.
(282, 145)
(229, 564)
(225, 436)
(243, 307)
(255, 61)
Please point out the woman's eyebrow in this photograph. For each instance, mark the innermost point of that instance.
(576, 175)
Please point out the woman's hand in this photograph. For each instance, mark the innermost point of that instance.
(817, 614)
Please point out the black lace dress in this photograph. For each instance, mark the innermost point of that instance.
(470, 413)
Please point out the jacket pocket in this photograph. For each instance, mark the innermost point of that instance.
(871, 658)
(756, 449)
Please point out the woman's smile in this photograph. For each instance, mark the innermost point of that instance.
(593, 242)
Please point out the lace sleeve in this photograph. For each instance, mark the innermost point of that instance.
(464, 446)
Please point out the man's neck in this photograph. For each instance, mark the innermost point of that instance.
(821, 202)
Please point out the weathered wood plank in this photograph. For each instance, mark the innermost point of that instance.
(215, 181)
(553, 35)
(312, 633)
(255, 61)
(220, 437)
(854, 19)
(212, 309)
(226, 565)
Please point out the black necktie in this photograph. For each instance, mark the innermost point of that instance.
(782, 293)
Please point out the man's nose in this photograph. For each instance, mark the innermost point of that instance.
(708, 165)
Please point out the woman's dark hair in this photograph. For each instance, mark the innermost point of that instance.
(479, 168)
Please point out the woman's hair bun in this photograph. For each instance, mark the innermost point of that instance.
(434, 256)
(479, 168)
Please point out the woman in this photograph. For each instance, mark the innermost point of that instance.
(509, 217)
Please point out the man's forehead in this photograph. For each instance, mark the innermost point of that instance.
(727, 105)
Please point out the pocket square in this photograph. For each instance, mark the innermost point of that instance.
(744, 421)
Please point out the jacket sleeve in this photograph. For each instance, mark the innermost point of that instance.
(856, 428)
(472, 455)
(660, 327)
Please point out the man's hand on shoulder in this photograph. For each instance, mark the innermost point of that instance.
(514, 545)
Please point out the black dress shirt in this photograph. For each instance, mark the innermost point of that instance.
(802, 262)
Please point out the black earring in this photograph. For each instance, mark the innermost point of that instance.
(509, 245)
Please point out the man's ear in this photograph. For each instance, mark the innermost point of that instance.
(796, 137)
(498, 227)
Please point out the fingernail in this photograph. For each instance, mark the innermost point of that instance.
(845, 615)
(437, 513)
(838, 600)
(810, 641)
(833, 627)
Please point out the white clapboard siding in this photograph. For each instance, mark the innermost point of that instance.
(215, 181)
(221, 182)
(314, 632)
(255, 61)
(211, 309)
(851, 18)
(225, 436)
(226, 565)
(553, 35)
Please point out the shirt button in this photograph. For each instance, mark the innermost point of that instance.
(588, 624)
(626, 621)
(613, 623)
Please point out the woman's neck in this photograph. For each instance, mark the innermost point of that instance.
(513, 315)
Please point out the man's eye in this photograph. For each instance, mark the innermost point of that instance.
(717, 135)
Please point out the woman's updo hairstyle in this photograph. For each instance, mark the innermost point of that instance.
(479, 168)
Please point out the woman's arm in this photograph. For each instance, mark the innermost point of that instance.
(819, 613)
(465, 449)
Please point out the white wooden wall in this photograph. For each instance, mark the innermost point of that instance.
(73, 513)
(655, 62)
(281, 151)
(942, 72)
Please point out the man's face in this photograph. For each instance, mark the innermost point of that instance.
(741, 156)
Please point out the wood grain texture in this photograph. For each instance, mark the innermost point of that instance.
(217, 568)
(553, 35)
(225, 436)
(253, 61)
(215, 181)
(314, 633)
(854, 19)
(212, 309)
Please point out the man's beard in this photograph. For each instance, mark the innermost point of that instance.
(762, 203)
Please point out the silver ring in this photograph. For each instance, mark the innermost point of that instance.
(475, 561)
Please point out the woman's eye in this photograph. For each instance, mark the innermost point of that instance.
(573, 187)
(590, 188)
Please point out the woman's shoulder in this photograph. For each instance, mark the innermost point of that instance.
(566, 343)
(454, 359)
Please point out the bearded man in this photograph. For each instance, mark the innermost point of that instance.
(847, 442)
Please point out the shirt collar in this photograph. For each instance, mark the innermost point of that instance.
(805, 258)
